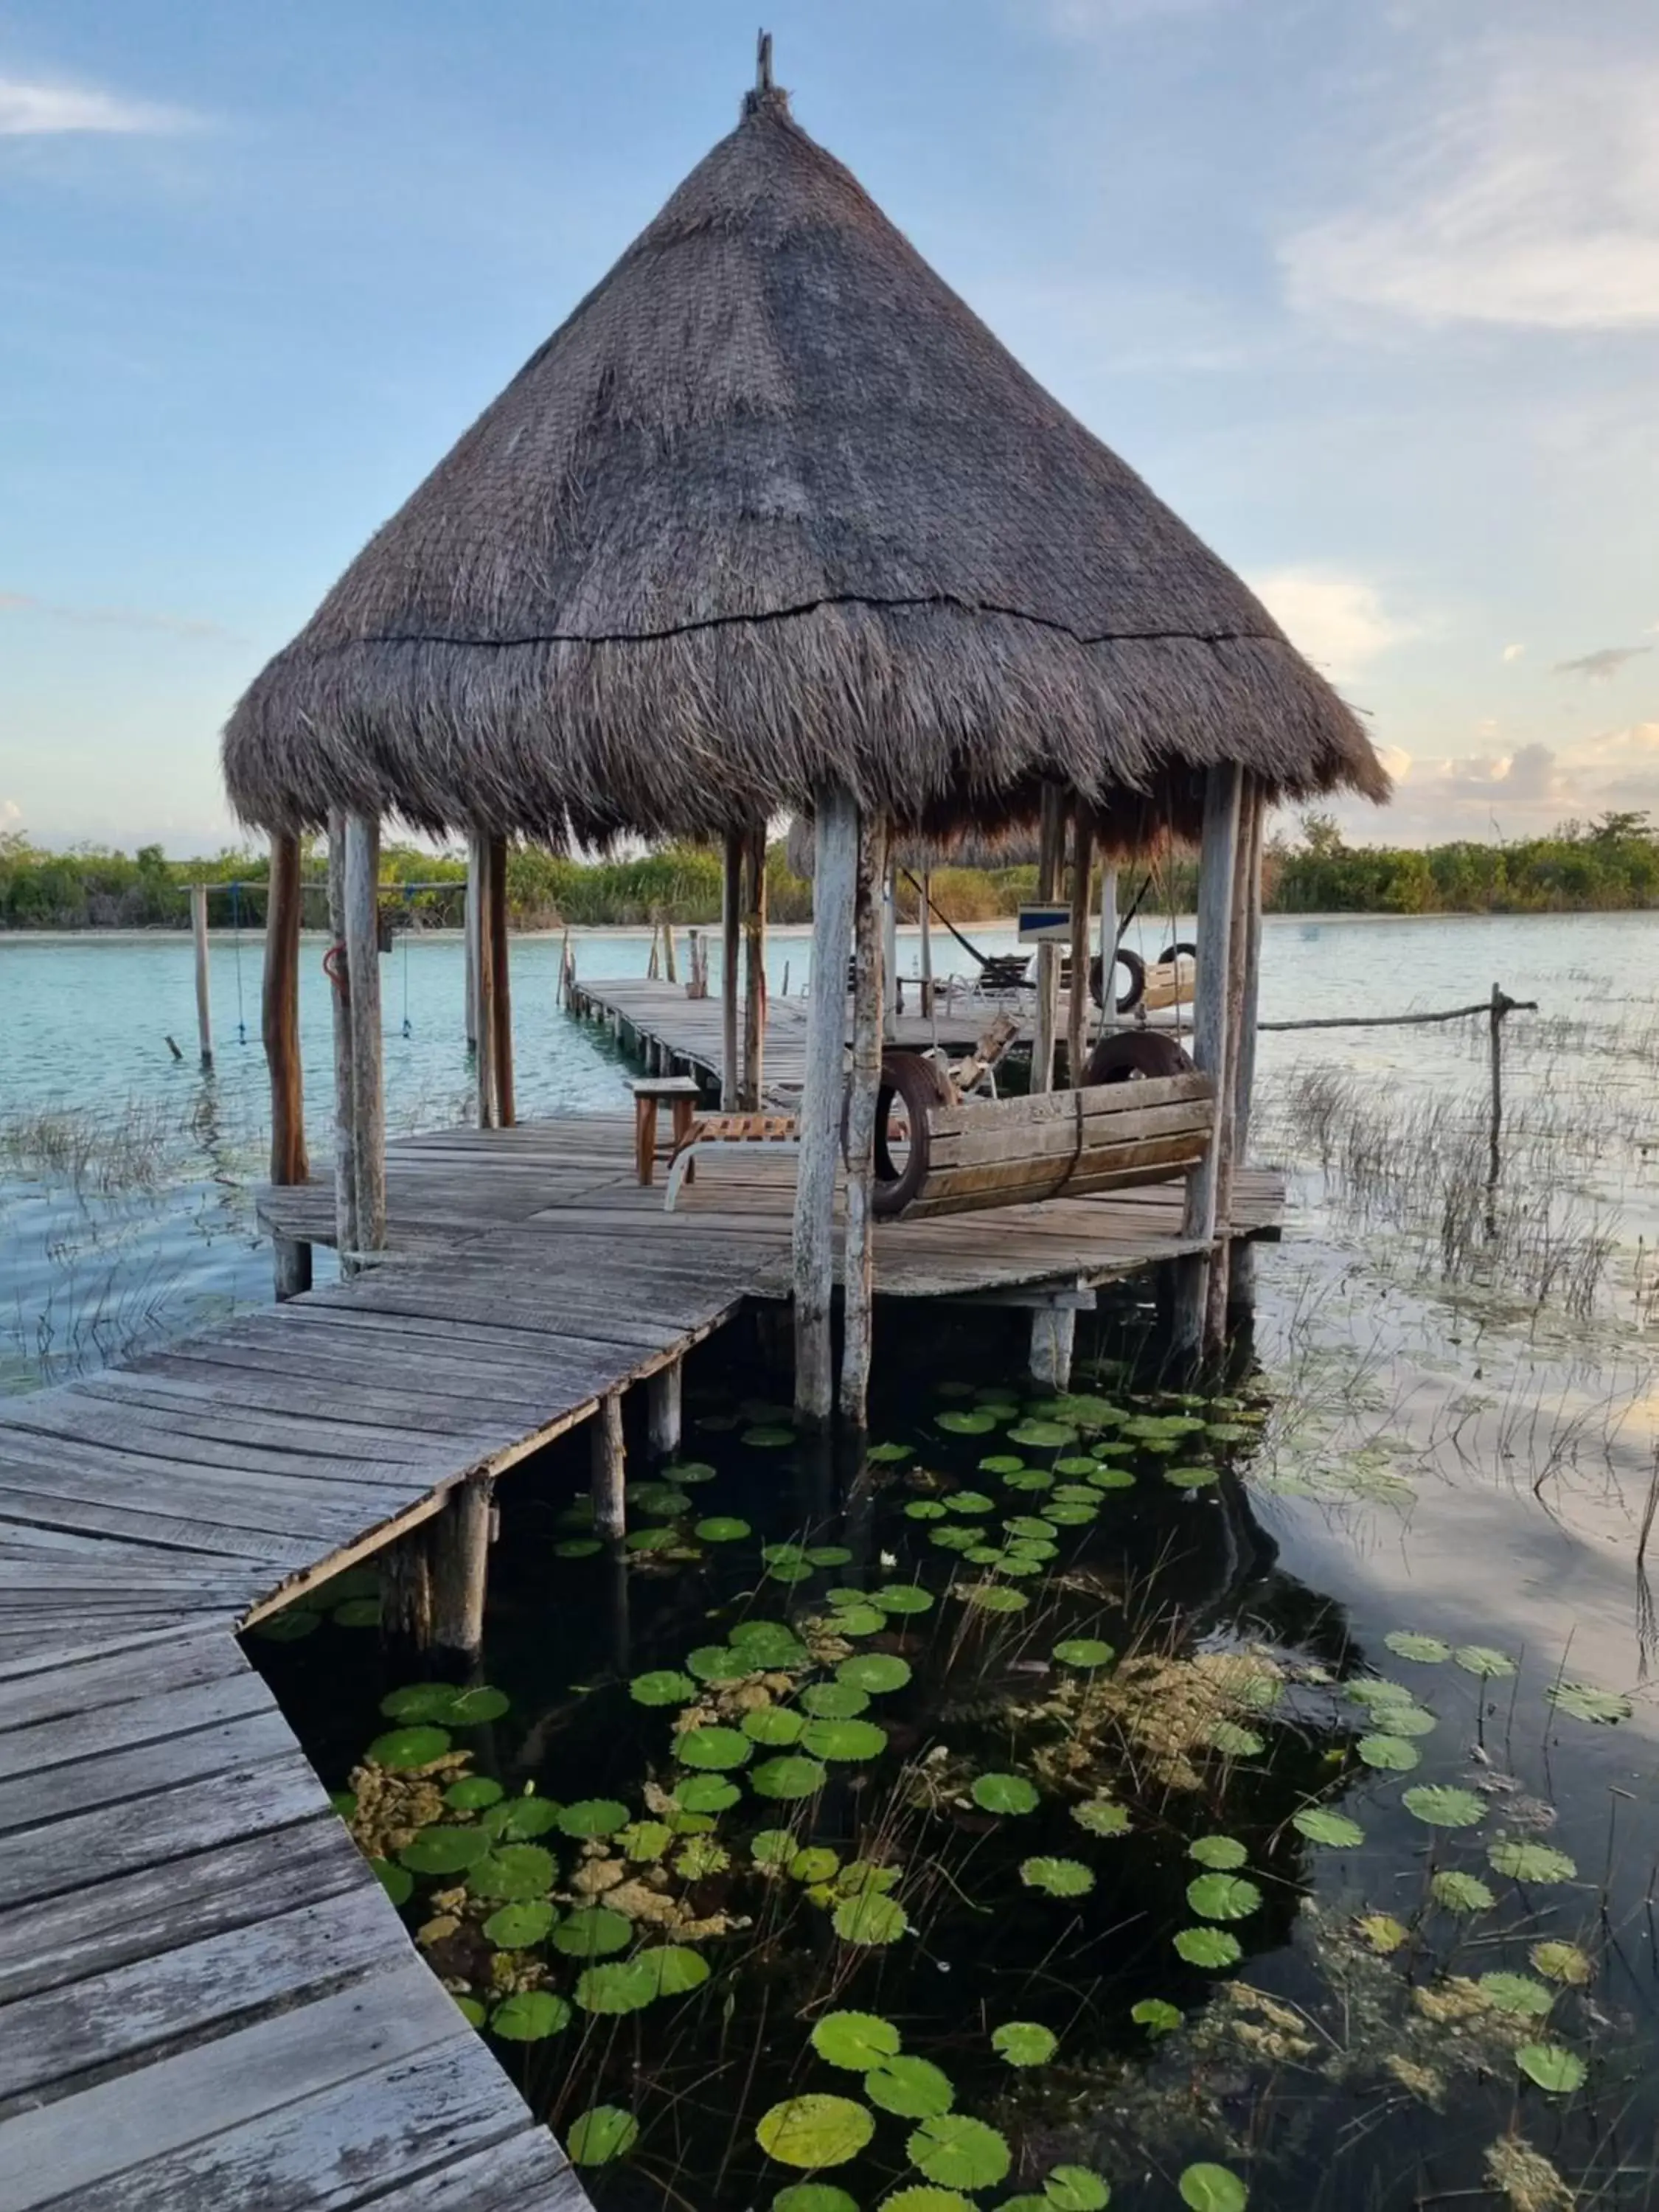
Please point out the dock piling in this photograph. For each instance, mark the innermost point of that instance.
(610, 1468)
(663, 1396)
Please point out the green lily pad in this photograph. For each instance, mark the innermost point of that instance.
(992, 1597)
(814, 2131)
(622, 1985)
(834, 1701)
(1058, 1877)
(1156, 2015)
(1208, 1946)
(855, 1740)
(1516, 1993)
(1234, 1741)
(719, 1662)
(472, 1793)
(519, 1819)
(290, 1625)
(515, 1927)
(513, 1874)
(1110, 1477)
(887, 1454)
(914, 2088)
(812, 2197)
(1029, 1478)
(817, 1862)
(923, 2197)
(1004, 1793)
(1462, 1893)
(1402, 1720)
(1484, 1660)
(651, 1540)
(1552, 2067)
(665, 1497)
(1024, 2043)
(596, 2137)
(828, 1555)
(869, 1919)
(1427, 1650)
(666, 1686)
(970, 1504)
(419, 1701)
(396, 1881)
(855, 2040)
(1392, 1753)
(719, 1749)
(443, 1850)
(1381, 1931)
(1042, 1436)
(1084, 1651)
(358, 1612)
(529, 2016)
(790, 1776)
(1101, 1816)
(691, 1470)
(1586, 1703)
(470, 2010)
(874, 1672)
(722, 1528)
(701, 1855)
(1321, 1826)
(966, 1421)
(403, 1750)
(577, 1548)
(768, 1644)
(857, 1620)
(956, 1538)
(902, 1597)
(774, 1725)
(1206, 2188)
(1076, 2189)
(1530, 1862)
(1442, 1805)
(593, 1816)
(925, 1509)
(1191, 1478)
(1223, 1897)
(1071, 1512)
(1004, 1463)
(959, 2153)
(1223, 1854)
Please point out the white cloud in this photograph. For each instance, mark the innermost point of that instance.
(1340, 623)
(1531, 198)
(1513, 651)
(11, 816)
(1602, 666)
(33, 110)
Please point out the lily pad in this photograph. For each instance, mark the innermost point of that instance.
(1208, 1946)
(593, 1816)
(817, 1862)
(1552, 2067)
(1005, 1463)
(444, 1849)
(914, 2088)
(993, 1597)
(1462, 1893)
(1101, 1816)
(596, 2137)
(519, 1819)
(834, 1701)
(1223, 1897)
(1562, 1962)
(472, 1793)
(722, 1528)
(887, 1454)
(1042, 1435)
(1516, 1993)
(790, 1778)
(358, 1612)
(1206, 2188)
(858, 1620)
(1427, 1650)
(874, 1672)
(1392, 1753)
(529, 2016)
(855, 2040)
(1530, 1862)
(855, 1740)
(1224, 1854)
(924, 1509)
(1004, 1793)
(774, 1725)
(768, 1644)
(419, 1701)
(622, 1985)
(902, 1597)
(515, 1927)
(1234, 1741)
(1086, 1652)
(577, 1548)
(812, 2197)
(651, 1540)
(396, 1881)
(1191, 1478)
(959, 2153)
(870, 1918)
(1156, 2015)
(1076, 2189)
(1442, 1805)
(1024, 2043)
(1071, 1512)
(1058, 1877)
(1484, 1660)
(594, 1931)
(1321, 1826)
(512, 1873)
(966, 1420)
(814, 2131)
(1586, 1703)
(1382, 1932)
(405, 1749)
(719, 1662)
(290, 1625)
(719, 1749)
(970, 1504)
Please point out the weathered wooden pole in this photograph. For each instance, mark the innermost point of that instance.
(1051, 846)
(754, 969)
(1218, 1289)
(1053, 1335)
(280, 1027)
(924, 915)
(731, 932)
(1241, 1286)
(1076, 1004)
(670, 971)
(345, 1090)
(469, 939)
(888, 917)
(362, 875)
(481, 907)
(1108, 942)
(835, 834)
(663, 1415)
(857, 1269)
(1500, 1006)
(459, 1549)
(501, 986)
(610, 1468)
(198, 930)
(1217, 857)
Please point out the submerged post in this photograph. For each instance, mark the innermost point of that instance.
(459, 1572)
(869, 994)
(610, 1468)
(198, 930)
(280, 1027)
(338, 965)
(754, 969)
(1053, 1333)
(1500, 1006)
(1050, 855)
(1217, 858)
(363, 874)
(731, 923)
(1077, 1003)
(836, 817)
(501, 987)
(663, 1398)
(469, 939)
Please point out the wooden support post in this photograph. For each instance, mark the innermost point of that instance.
(406, 1589)
(290, 1266)
(1218, 1292)
(198, 930)
(662, 1409)
(731, 926)
(610, 1468)
(1108, 942)
(1217, 857)
(1077, 1005)
(345, 1095)
(1500, 1006)
(671, 972)
(924, 915)
(501, 986)
(869, 963)
(754, 971)
(1241, 1286)
(1054, 1331)
(460, 1552)
(363, 874)
(280, 1015)
(835, 832)
(1050, 852)
(479, 849)
(470, 938)
(890, 974)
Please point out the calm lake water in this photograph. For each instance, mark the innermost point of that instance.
(1446, 1443)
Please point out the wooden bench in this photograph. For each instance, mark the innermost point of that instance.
(1061, 1144)
(681, 1092)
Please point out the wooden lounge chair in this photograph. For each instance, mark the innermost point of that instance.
(771, 1133)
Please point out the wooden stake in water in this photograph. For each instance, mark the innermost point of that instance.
(363, 872)
(1218, 856)
(345, 1095)
(501, 987)
(869, 996)
(480, 908)
(835, 818)
(754, 971)
(199, 925)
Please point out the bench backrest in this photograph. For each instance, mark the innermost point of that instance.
(1107, 1136)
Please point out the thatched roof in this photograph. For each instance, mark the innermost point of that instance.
(774, 507)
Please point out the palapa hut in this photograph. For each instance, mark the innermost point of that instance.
(771, 524)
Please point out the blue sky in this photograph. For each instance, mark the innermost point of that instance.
(1368, 290)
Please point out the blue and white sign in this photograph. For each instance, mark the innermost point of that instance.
(1045, 924)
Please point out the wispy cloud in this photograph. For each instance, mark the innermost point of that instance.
(31, 109)
(1513, 651)
(1600, 667)
(1529, 197)
(27, 603)
(1339, 622)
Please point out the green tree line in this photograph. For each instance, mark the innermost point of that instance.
(1601, 865)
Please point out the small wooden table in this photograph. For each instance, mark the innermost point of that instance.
(682, 1092)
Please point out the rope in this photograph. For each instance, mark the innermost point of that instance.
(236, 943)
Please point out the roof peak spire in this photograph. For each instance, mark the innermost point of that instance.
(766, 95)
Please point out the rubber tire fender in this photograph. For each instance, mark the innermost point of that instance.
(1173, 952)
(1136, 1056)
(919, 1084)
(1134, 966)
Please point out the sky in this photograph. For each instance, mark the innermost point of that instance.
(1367, 289)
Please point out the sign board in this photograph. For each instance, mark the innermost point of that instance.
(1045, 924)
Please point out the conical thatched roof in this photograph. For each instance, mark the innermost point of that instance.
(774, 506)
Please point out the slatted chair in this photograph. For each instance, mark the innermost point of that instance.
(769, 1132)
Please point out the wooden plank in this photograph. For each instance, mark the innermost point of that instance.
(93, 1731)
(960, 1189)
(65, 1793)
(177, 1663)
(1109, 1099)
(1060, 1137)
(528, 2173)
(70, 1419)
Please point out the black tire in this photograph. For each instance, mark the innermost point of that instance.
(919, 1083)
(1173, 952)
(1134, 967)
(1136, 1056)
